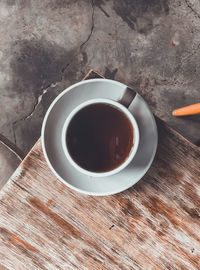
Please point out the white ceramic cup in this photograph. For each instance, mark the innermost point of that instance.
(132, 152)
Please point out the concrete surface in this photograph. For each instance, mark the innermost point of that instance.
(151, 45)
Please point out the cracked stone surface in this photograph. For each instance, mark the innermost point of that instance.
(45, 46)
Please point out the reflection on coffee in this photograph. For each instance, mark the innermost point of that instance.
(99, 137)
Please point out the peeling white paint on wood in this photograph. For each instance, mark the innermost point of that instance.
(9, 183)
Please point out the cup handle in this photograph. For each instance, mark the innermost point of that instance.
(128, 97)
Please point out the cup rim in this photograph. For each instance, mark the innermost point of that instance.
(135, 137)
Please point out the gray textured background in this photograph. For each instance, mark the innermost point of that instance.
(151, 45)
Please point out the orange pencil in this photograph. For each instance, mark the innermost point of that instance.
(188, 110)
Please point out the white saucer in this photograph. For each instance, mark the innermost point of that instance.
(51, 138)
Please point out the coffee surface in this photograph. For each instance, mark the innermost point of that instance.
(99, 137)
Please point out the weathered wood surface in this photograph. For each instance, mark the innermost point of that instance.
(10, 158)
(153, 225)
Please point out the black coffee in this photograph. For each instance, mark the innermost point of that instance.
(99, 137)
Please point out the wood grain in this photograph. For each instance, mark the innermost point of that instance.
(153, 225)
(9, 160)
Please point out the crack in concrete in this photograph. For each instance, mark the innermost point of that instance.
(92, 27)
(44, 91)
(192, 9)
(38, 100)
(83, 44)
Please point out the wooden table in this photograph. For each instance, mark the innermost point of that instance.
(153, 225)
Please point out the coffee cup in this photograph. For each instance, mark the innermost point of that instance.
(100, 137)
